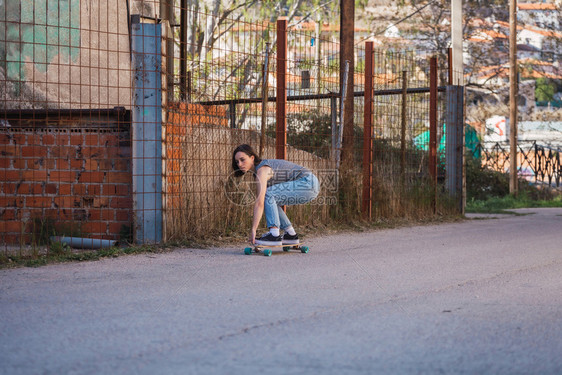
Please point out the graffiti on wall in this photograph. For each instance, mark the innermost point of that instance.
(37, 31)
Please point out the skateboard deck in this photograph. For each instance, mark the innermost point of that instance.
(266, 249)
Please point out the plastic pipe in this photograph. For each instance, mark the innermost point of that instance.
(84, 243)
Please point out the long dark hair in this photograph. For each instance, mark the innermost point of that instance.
(248, 150)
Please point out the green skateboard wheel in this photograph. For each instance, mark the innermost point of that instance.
(248, 251)
(304, 249)
(286, 248)
(267, 252)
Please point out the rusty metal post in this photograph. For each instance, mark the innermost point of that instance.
(281, 102)
(167, 17)
(347, 53)
(264, 98)
(403, 127)
(433, 119)
(450, 64)
(368, 134)
(433, 82)
(183, 50)
(513, 97)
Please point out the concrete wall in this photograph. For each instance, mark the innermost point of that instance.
(64, 54)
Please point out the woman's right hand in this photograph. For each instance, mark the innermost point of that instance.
(252, 237)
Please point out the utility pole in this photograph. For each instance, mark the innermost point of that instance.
(167, 16)
(513, 93)
(347, 35)
(456, 42)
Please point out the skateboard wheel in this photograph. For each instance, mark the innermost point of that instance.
(286, 248)
(248, 251)
(267, 252)
(304, 249)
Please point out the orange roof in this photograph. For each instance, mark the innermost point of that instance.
(537, 6)
(537, 74)
(533, 29)
(503, 71)
(490, 33)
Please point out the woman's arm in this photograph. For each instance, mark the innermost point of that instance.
(264, 174)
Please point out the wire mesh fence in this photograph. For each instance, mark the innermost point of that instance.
(119, 121)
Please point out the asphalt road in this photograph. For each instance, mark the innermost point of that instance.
(471, 297)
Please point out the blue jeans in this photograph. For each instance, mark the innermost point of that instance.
(289, 193)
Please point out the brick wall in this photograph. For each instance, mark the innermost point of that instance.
(67, 172)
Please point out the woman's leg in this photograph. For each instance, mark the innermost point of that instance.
(288, 193)
(284, 221)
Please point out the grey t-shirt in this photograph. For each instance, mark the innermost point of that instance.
(284, 171)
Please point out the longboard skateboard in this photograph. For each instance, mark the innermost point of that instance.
(266, 249)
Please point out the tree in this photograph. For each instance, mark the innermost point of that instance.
(545, 90)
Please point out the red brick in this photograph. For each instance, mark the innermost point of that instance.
(62, 176)
(97, 177)
(94, 152)
(94, 227)
(52, 213)
(119, 177)
(79, 189)
(123, 190)
(92, 140)
(67, 202)
(5, 162)
(33, 151)
(34, 139)
(62, 152)
(109, 189)
(123, 215)
(10, 150)
(34, 175)
(122, 165)
(40, 202)
(49, 164)
(76, 163)
(65, 189)
(61, 214)
(109, 140)
(94, 189)
(20, 163)
(118, 152)
(9, 239)
(63, 164)
(102, 214)
(100, 202)
(48, 139)
(19, 139)
(121, 203)
(11, 202)
(8, 214)
(62, 139)
(105, 165)
(50, 189)
(34, 164)
(91, 165)
(76, 140)
(24, 188)
(9, 188)
(5, 139)
(37, 188)
(115, 228)
(10, 226)
(10, 175)
(94, 214)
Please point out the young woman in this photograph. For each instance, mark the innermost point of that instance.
(279, 183)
